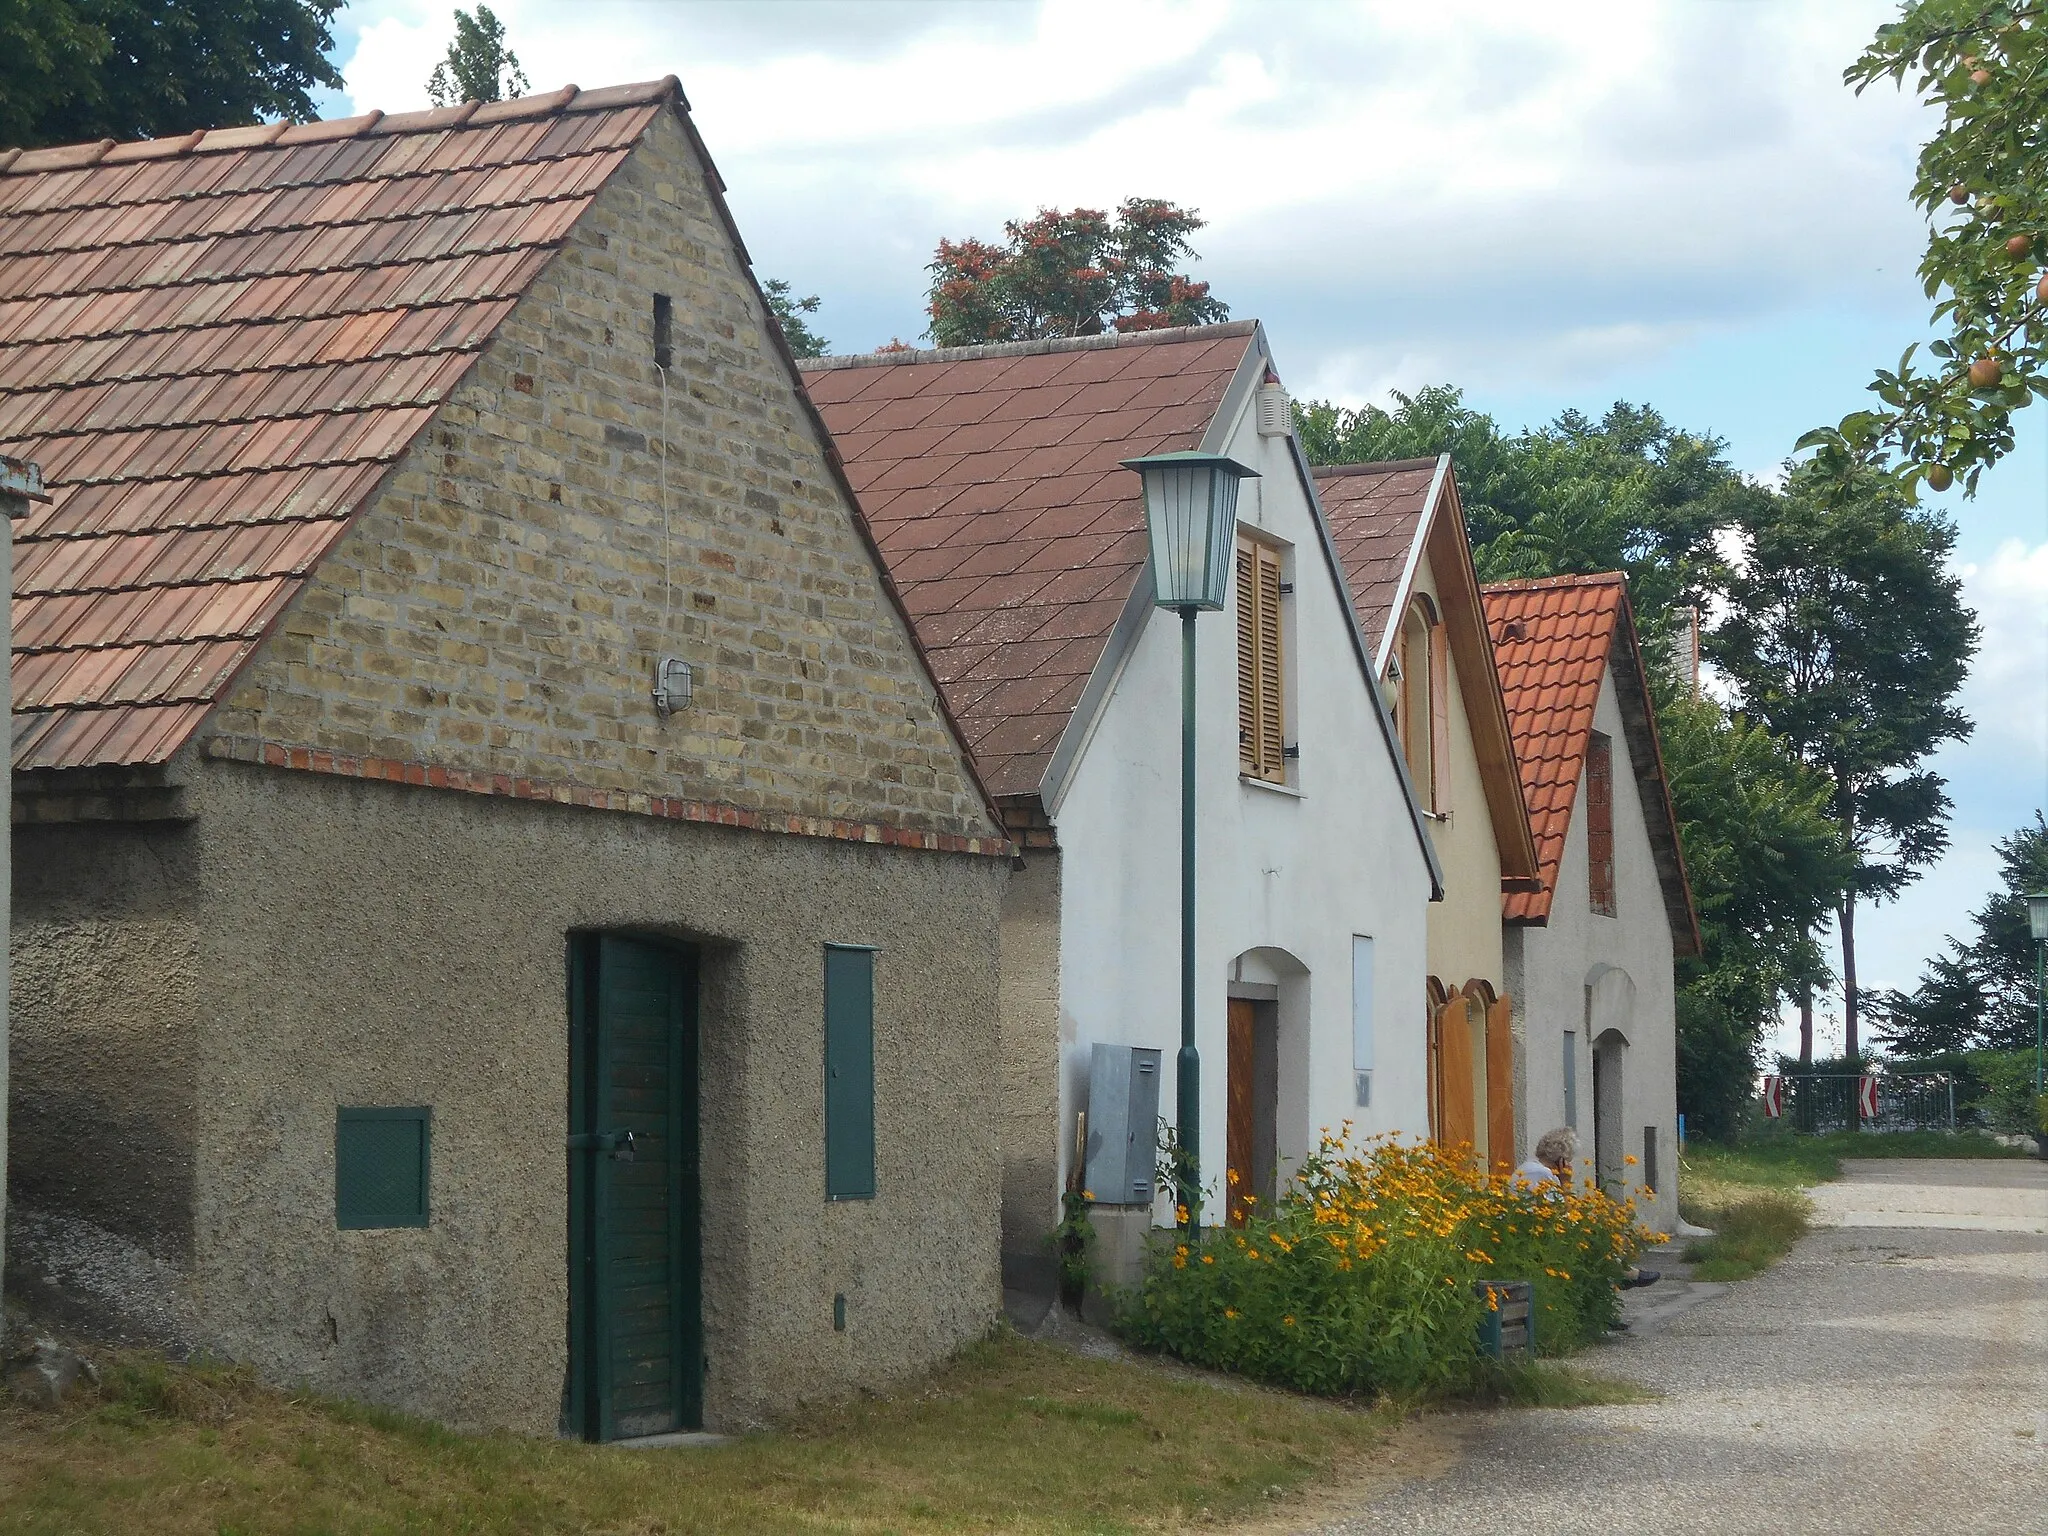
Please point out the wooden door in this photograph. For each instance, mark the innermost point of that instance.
(1500, 1085)
(1241, 1132)
(1456, 1123)
(636, 1329)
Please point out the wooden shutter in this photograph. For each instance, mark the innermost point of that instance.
(1439, 787)
(1261, 676)
(849, 1073)
(1456, 1125)
(1247, 661)
(1600, 824)
(1500, 1084)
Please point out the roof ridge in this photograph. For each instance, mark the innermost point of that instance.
(373, 124)
(1107, 339)
(1539, 583)
(1373, 467)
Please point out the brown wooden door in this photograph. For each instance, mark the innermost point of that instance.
(1455, 1087)
(1241, 1133)
(1500, 1085)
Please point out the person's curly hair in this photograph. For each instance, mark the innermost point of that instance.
(1558, 1146)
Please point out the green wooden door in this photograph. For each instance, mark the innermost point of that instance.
(636, 1332)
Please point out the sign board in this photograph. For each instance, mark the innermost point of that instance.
(1866, 1096)
(1774, 1095)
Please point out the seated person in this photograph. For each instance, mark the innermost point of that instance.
(1551, 1162)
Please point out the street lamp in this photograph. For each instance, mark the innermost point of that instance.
(2037, 924)
(1191, 522)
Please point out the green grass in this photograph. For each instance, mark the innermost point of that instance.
(1546, 1384)
(1011, 1436)
(1750, 1235)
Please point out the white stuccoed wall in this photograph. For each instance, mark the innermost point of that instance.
(1550, 967)
(1297, 874)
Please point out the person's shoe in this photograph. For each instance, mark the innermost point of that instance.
(1642, 1277)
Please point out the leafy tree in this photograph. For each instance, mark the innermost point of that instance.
(789, 312)
(1980, 994)
(1847, 636)
(1982, 181)
(1629, 492)
(72, 70)
(1077, 273)
(1766, 862)
(478, 65)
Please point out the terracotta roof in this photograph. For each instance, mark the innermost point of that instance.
(216, 344)
(990, 476)
(1375, 512)
(1553, 640)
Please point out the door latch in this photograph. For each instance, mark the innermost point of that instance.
(619, 1144)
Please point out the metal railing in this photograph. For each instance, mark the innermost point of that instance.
(1829, 1101)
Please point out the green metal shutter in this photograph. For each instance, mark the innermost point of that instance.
(849, 1073)
(381, 1167)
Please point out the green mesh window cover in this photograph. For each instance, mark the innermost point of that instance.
(849, 1073)
(380, 1167)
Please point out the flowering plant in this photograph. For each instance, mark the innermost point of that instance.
(1362, 1276)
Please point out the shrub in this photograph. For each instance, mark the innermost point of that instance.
(1361, 1279)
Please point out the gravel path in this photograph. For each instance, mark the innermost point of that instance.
(1879, 1379)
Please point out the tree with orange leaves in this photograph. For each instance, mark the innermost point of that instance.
(1077, 273)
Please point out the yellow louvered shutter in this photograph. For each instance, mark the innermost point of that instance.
(1261, 677)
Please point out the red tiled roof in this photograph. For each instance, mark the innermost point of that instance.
(1553, 640)
(991, 479)
(1374, 512)
(215, 345)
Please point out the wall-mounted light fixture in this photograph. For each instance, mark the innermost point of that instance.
(672, 685)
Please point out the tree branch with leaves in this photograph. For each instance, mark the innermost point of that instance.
(1982, 181)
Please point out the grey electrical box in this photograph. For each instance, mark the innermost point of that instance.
(1123, 1120)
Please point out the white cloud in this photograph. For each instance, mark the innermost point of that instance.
(1402, 192)
(2007, 694)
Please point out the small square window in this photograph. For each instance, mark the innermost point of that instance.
(380, 1166)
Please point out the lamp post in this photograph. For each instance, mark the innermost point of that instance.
(2037, 924)
(1191, 523)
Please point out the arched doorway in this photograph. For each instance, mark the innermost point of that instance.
(1610, 1008)
(1265, 1079)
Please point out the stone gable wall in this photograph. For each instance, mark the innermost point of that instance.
(500, 605)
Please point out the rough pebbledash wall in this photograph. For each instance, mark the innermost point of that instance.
(501, 603)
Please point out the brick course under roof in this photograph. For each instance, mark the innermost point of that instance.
(991, 478)
(214, 345)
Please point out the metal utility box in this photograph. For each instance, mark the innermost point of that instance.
(1123, 1117)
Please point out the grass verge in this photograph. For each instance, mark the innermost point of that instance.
(1546, 1384)
(1010, 1436)
(1750, 1235)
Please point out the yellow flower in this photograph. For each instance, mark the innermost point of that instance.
(1287, 1322)
(1180, 1215)
(1208, 1258)
(1232, 1176)
(1230, 1312)
(1630, 1160)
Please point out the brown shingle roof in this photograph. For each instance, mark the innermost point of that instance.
(1553, 640)
(1383, 517)
(1375, 512)
(216, 344)
(991, 479)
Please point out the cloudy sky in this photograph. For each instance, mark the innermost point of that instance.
(1550, 206)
